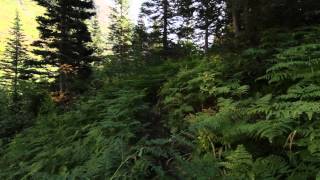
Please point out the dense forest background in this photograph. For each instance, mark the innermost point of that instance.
(196, 89)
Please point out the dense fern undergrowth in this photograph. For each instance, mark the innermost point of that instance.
(196, 118)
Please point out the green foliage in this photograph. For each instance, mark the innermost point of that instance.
(251, 113)
(282, 120)
(105, 134)
(64, 43)
(14, 67)
(120, 30)
(15, 119)
(103, 137)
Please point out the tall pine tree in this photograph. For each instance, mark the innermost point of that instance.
(140, 41)
(64, 41)
(186, 11)
(98, 42)
(14, 65)
(120, 30)
(162, 13)
(208, 15)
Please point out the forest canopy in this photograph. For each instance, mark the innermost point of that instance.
(194, 89)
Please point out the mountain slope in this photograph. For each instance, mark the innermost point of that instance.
(28, 11)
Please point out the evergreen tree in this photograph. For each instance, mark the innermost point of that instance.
(14, 65)
(186, 10)
(98, 42)
(162, 13)
(64, 40)
(121, 30)
(140, 41)
(208, 17)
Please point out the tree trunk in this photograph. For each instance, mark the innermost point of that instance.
(235, 10)
(63, 57)
(61, 81)
(165, 26)
(15, 80)
(206, 38)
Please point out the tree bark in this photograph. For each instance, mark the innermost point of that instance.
(165, 26)
(206, 41)
(235, 17)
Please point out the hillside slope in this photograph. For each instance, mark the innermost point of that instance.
(28, 11)
(196, 118)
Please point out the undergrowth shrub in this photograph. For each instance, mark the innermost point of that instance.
(200, 118)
